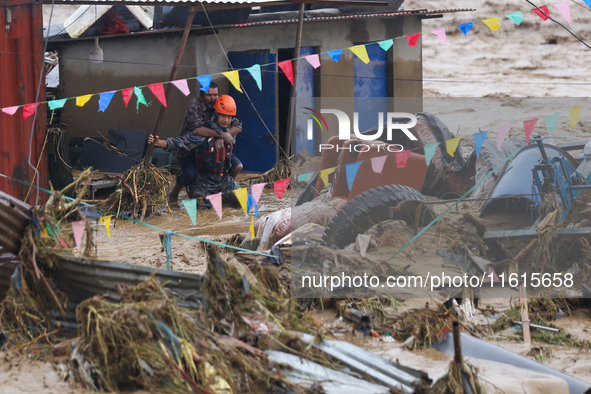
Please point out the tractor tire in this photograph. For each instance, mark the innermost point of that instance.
(374, 206)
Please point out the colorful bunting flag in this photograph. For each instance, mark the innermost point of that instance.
(105, 99)
(543, 13)
(465, 27)
(430, 152)
(205, 81)
(242, 196)
(252, 205)
(351, 172)
(305, 177)
(216, 203)
(575, 114)
(502, 133)
(81, 100)
(251, 228)
(56, 104)
(412, 39)
(255, 71)
(588, 2)
(516, 17)
(478, 141)
(325, 173)
(107, 222)
(191, 207)
(280, 187)
(492, 23)
(182, 85)
(386, 44)
(127, 94)
(529, 125)
(335, 55)
(402, 158)
(551, 120)
(234, 78)
(257, 191)
(440, 33)
(564, 9)
(167, 244)
(78, 229)
(452, 145)
(287, 67)
(29, 109)
(314, 60)
(377, 163)
(158, 90)
(360, 52)
(140, 98)
(12, 110)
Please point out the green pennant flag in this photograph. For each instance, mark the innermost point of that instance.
(386, 44)
(191, 206)
(430, 152)
(255, 71)
(305, 177)
(516, 17)
(140, 98)
(56, 104)
(551, 121)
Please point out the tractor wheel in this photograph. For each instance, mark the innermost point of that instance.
(374, 206)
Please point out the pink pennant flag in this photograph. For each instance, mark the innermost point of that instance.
(529, 125)
(502, 133)
(62, 243)
(377, 163)
(10, 110)
(402, 158)
(280, 186)
(313, 60)
(541, 14)
(257, 190)
(441, 34)
(182, 85)
(564, 9)
(287, 67)
(412, 39)
(78, 229)
(29, 109)
(216, 202)
(127, 94)
(158, 90)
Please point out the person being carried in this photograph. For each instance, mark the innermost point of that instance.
(216, 167)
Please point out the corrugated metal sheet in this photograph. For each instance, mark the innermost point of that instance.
(8, 262)
(176, 2)
(14, 216)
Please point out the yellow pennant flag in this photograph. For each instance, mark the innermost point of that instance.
(325, 173)
(361, 53)
(81, 100)
(251, 227)
(107, 221)
(452, 145)
(492, 23)
(234, 78)
(43, 233)
(575, 114)
(242, 196)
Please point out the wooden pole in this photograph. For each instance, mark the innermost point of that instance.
(524, 314)
(177, 61)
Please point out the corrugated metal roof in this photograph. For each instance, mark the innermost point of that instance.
(173, 2)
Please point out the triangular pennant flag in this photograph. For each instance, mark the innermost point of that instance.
(430, 152)
(529, 125)
(234, 78)
(440, 33)
(166, 243)
(105, 99)
(386, 44)
(242, 196)
(81, 100)
(107, 221)
(140, 98)
(465, 27)
(56, 104)
(182, 85)
(216, 203)
(516, 17)
(492, 23)
(257, 191)
(287, 69)
(335, 55)
(564, 9)
(478, 141)
(540, 13)
(255, 71)
(191, 207)
(12, 110)
(252, 205)
(360, 52)
(452, 145)
(29, 109)
(205, 81)
(402, 158)
(305, 177)
(412, 39)
(502, 133)
(280, 186)
(575, 114)
(127, 94)
(377, 163)
(314, 60)
(325, 173)
(251, 228)
(78, 229)
(158, 90)
(588, 2)
(551, 121)
(351, 170)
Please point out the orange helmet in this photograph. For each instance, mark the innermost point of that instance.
(225, 105)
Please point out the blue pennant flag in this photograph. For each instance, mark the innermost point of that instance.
(336, 54)
(588, 2)
(166, 243)
(478, 141)
(252, 203)
(105, 100)
(352, 173)
(205, 81)
(465, 27)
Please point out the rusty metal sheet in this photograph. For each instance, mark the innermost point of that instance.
(8, 263)
(14, 216)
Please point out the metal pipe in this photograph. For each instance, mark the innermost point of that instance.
(457, 342)
(539, 327)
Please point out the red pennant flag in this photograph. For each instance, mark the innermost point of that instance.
(127, 94)
(541, 14)
(158, 91)
(529, 125)
(287, 68)
(280, 186)
(29, 109)
(402, 158)
(412, 39)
